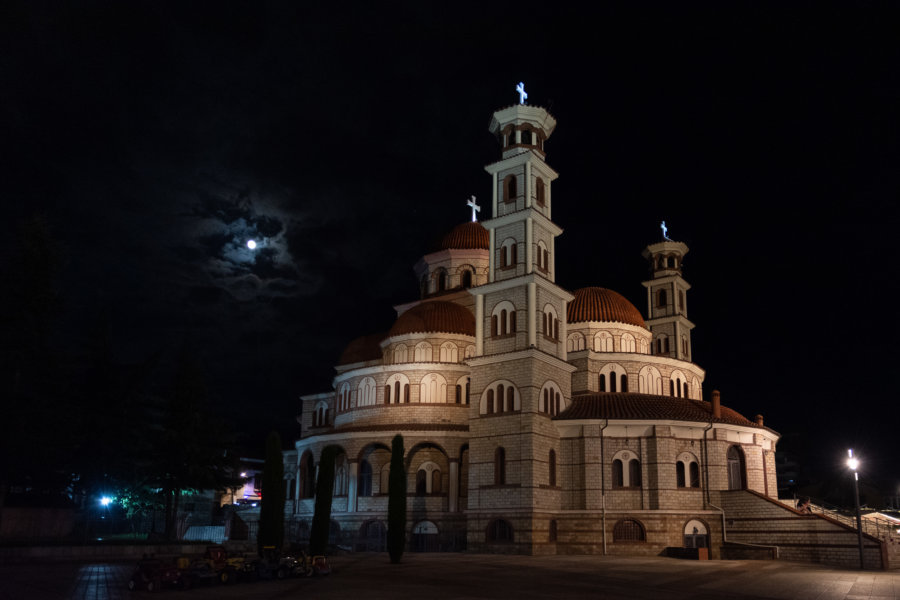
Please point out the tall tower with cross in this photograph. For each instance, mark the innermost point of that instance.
(520, 377)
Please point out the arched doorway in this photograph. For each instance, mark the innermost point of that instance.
(425, 537)
(374, 536)
(696, 535)
(737, 479)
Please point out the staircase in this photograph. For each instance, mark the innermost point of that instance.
(754, 520)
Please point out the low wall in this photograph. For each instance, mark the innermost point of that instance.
(108, 552)
(752, 518)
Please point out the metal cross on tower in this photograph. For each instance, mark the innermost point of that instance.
(522, 95)
(475, 209)
(665, 231)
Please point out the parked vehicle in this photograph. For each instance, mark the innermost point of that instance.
(152, 574)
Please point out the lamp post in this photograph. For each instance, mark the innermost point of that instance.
(853, 463)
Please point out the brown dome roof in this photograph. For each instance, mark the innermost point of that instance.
(628, 406)
(601, 304)
(367, 347)
(469, 235)
(433, 317)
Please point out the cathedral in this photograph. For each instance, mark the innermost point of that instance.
(536, 420)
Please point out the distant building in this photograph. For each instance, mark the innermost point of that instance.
(536, 419)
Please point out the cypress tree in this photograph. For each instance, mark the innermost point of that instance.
(396, 534)
(321, 523)
(271, 513)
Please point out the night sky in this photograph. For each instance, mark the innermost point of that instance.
(157, 138)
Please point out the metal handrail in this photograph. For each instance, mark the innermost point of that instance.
(876, 527)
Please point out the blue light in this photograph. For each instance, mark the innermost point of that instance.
(105, 500)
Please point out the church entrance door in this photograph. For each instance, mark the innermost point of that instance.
(735, 469)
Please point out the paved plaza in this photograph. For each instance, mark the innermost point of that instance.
(472, 576)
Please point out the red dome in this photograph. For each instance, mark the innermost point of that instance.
(601, 304)
(434, 317)
(367, 347)
(470, 235)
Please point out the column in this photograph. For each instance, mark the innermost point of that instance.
(454, 485)
(479, 325)
(351, 486)
(563, 332)
(493, 246)
(528, 184)
(494, 198)
(532, 315)
(529, 245)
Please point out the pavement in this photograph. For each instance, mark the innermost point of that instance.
(476, 576)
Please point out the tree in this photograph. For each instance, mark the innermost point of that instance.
(192, 449)
(321, 523)
(271, 513)
(396, 534)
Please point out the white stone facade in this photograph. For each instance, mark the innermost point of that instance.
(538, 423)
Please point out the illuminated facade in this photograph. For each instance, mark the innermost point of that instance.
(536, 419)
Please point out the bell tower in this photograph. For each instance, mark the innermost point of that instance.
(667, 300)
(520, 377)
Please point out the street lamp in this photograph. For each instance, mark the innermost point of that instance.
(853, 463)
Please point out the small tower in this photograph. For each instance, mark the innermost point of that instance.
(667, 300)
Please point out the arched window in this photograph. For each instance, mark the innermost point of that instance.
(449, 352)
(628, 343)
(603, 342)
(539, 191)
(575, 342)
(687, 471)
(508, 253)
(344, 397)
(677, 383)
(661, 298)
(424, 352)
(526, 137)
(365, 395)
(509, 188)
(550, 322)
(650, 381)
(500, 396)
(421, 481)
(610, 378)
(428, 479)
(628, 530)
(618, 473)
(307, 476)
(626, 470)
(365, 478)
(320, 415)
(542, 256)
(440, 278)
(681, 300)
(395, 387)
(510, 136)
(499, 530)
(500, 466)
(736, 470)
(550, 399)
(551, 461)
(433, 389)
(552, 534)
(457, 398)
(400, 354)
(466, 279)
(340, 475)
(385, 479)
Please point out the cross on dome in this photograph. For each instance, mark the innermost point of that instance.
(522, 94)
(475, 208)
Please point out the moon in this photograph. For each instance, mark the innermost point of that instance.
(251, 244)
